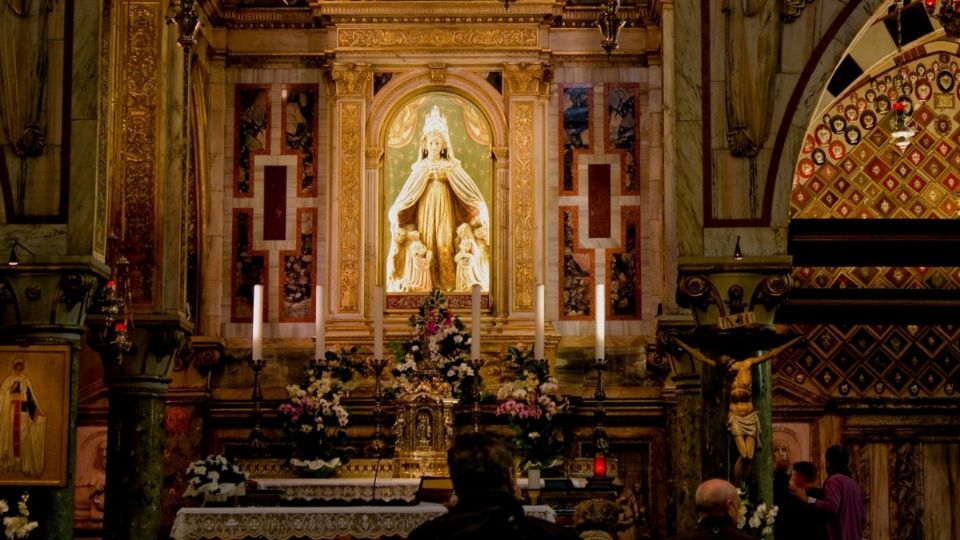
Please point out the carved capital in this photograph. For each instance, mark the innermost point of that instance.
(350, 79)
(728, 295)
(501, 153)
(374, 154)
(524, 79)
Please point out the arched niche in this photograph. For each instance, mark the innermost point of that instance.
(474, 91)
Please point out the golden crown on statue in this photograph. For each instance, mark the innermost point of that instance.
(435, 122)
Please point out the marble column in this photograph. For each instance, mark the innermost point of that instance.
(686, 426)
(137, 383)
(45, 304)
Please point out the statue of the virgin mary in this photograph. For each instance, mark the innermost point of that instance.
(437, 200)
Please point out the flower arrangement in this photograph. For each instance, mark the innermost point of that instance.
(314, 415)
(19, 525)
(762, 517)
(532, 401)
(214, 475)
(440, 344)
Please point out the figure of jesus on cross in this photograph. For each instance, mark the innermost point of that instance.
(743, 421)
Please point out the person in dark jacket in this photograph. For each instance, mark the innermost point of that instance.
(842, 501)
(717, 504)
(797, 520)
(481, 468)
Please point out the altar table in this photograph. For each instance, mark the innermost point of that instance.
(281, 523)
(348, 489)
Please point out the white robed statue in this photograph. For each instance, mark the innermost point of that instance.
(22, 424)
(437, 199)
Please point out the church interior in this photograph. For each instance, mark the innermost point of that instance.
(320, 238)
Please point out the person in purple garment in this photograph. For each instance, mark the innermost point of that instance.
(842, 499)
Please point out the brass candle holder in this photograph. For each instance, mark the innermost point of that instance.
(378, 446)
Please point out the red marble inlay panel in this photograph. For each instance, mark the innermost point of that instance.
(275, 202)
(598, 200)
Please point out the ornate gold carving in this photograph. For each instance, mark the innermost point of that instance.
(254, 61)
(437, 38)
(522, 206)
(528, 79)
(374, 154)
(501, 153)
(351, 79)
(139, 79)
(438, 73)
(349, 222)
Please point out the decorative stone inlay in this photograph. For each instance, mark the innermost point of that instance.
(528, 79)
(349, 222)
(437, 38)
(351, 79)
(522, 205)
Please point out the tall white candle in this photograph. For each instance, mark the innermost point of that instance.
(538, 341)
(601, 313)
(320, 321)
(258, 322)
(378, 323)
(475, 323)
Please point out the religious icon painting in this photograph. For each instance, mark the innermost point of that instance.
(871, 95)
(838, 124)
(806, 168)
(852, 135)
(850, 113)
(837, 150)
(868, 120)
(34, 415)
(923, 90)
(882, 104)
(942, 124)
(945, 81)
(823, 135)
(861, 106)
(818, 156)
(808, 144)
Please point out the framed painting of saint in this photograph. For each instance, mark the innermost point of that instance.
(34, 415)
(437, 197)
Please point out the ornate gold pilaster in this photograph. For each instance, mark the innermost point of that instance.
(138, 115)
(350, 87)
(527, 87)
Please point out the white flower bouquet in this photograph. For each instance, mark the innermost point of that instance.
(761, 517)
(215, 475)
(19, 525)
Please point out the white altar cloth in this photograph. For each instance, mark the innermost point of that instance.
(342, 489)
(281, 523)
(348, 489)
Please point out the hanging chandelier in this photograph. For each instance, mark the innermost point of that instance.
(902, 132)
(948, 13)
(610, 23)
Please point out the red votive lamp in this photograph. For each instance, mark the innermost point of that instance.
(120, 327)
(112, 284)
(599, 465)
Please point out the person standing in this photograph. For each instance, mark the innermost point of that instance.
(842, 499)
(717, 505)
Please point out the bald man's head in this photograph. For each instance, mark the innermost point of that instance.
(717, 497)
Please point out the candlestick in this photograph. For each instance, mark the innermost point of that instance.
(378, 446)
(538, 341)
(475, 324)
(601, 314)
(258, 322)
(320, 321)
(378, 323)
